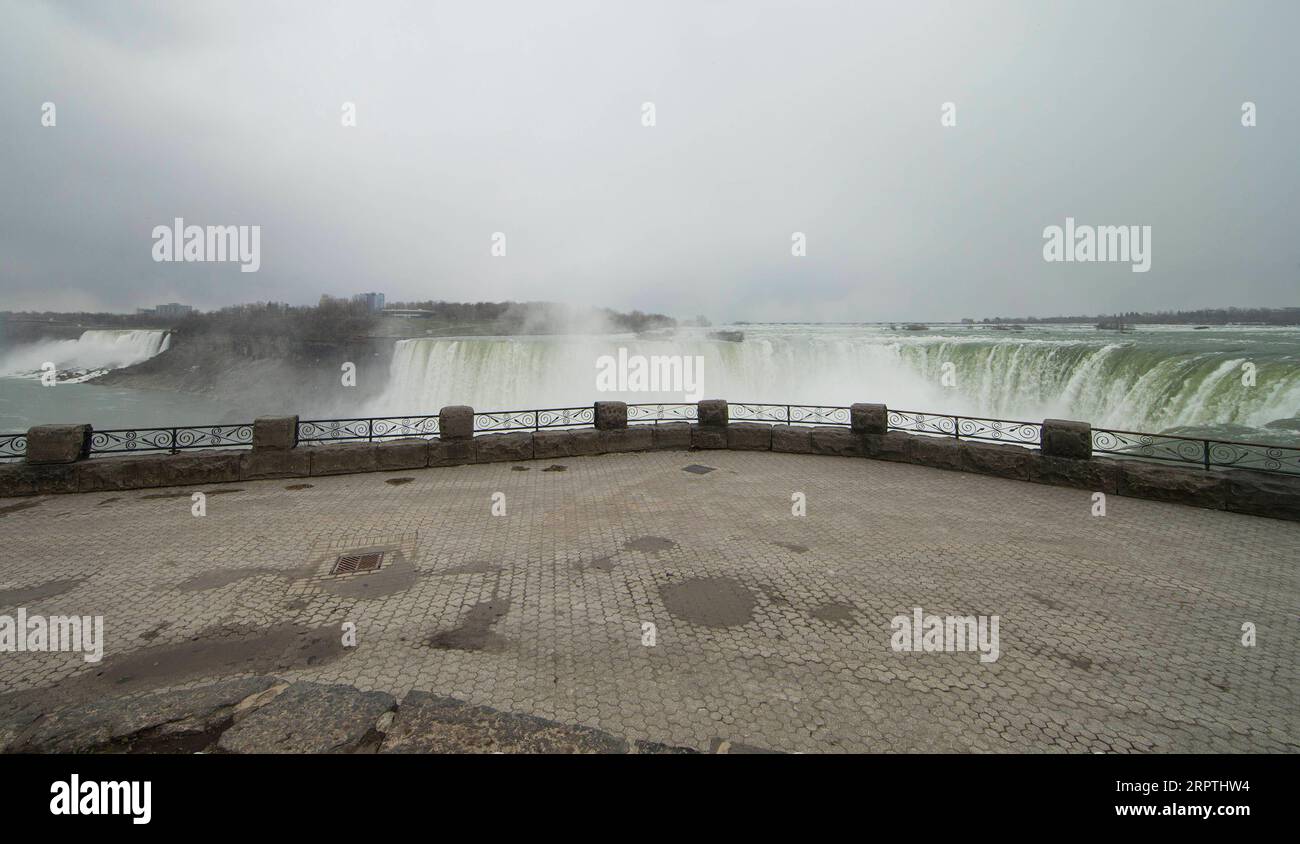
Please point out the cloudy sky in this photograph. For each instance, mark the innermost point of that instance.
(771, 118)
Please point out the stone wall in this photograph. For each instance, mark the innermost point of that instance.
(57, 461)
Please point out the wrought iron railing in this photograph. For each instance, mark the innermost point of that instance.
(653, 414)
(366, 429)
(13, 446)
(172, 440)
(789, 414)
(965, 427)
(534, 420)
(1207, 453)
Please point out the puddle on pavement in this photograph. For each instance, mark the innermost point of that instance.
(27, 594)
(709, 601)
(398, 481)
(216, 651)
(649, 544)
(225, 577)
(474, 633)
(836, 612)
(790, 546)
(296, 487)
(21, 505)
(605, 563)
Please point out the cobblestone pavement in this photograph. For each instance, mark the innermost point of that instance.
(1117, 633)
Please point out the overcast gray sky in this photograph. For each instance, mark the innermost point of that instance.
(772, 118)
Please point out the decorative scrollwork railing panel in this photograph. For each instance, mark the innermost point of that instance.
(126, 440)
(1205, 452)
(13, 445)
(812, 414)
(368, 429)
(533, 420)
(965, 427)
(656, 413)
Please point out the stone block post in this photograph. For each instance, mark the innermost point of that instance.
(1063, 438)
(58, 443)
(275, 433)
(712, 413)
(456, 423)
(869, 418)
(610, 415)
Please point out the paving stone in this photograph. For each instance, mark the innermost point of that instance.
(1117, 633)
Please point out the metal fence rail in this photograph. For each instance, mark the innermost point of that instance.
(534, 420)
(789, 414)
(655, 413)
(12, 446)
(1205, 452)
(966, 427)
(172, 440)
(367, 429)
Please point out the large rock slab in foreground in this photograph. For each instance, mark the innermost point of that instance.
(309, 718)
(428, 723)
(118, 722)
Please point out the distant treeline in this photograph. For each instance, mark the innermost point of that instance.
(1205, 316)
(335, 319)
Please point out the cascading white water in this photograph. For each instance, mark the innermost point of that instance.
(1155, 382)
(94, 350)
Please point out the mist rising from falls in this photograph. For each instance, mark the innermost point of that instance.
(1138, 382)
(94, 351)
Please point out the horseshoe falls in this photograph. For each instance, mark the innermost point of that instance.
(1168, 379)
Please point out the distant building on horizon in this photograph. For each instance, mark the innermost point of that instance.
(171, 309)
(372, 301)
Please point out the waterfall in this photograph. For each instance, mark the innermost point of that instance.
(95, 350)
(1161, 381)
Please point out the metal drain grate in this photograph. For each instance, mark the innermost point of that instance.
(353, 563)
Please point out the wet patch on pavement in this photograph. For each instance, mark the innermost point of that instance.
(605, 563)
(709, 601)
(224, 577)
(836, 612)
(474, 633)
(398, 481)
(21, 505)
(649, 544)
(26, 594)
